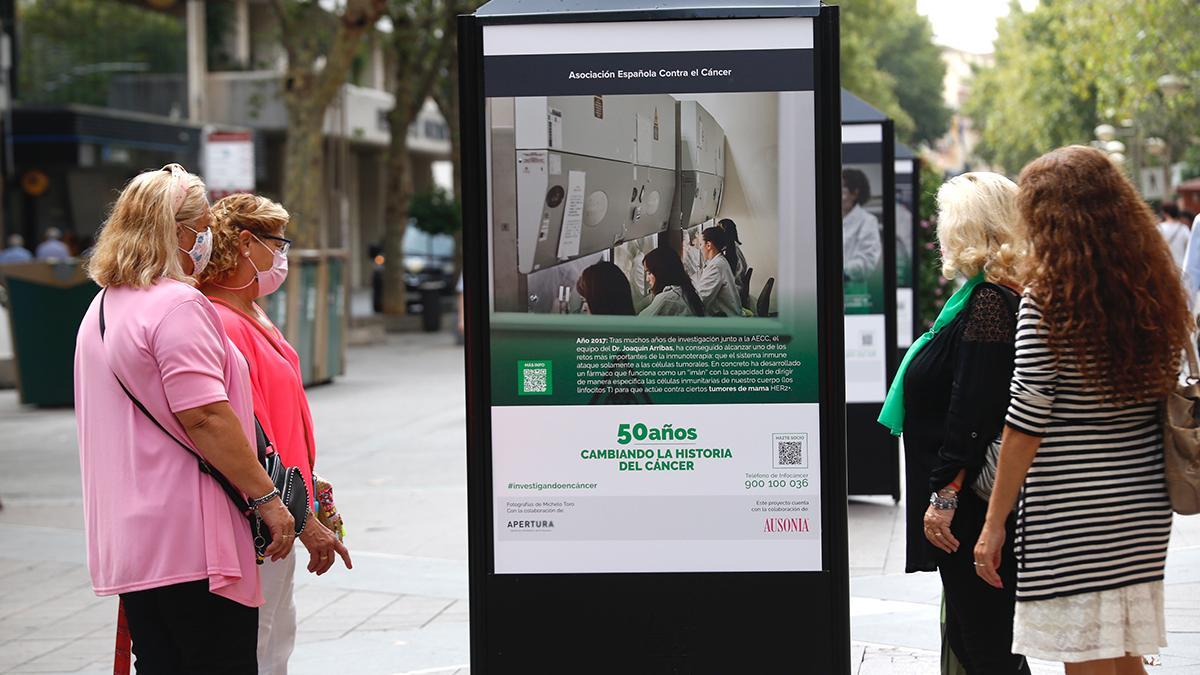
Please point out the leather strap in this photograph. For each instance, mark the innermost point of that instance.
(232, 492)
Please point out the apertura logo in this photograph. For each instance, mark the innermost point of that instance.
(774, 525)
(530, 524)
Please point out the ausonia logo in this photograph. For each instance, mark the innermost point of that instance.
(786, 525)
(530, 524)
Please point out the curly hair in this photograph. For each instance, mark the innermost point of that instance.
(231, 215)
(1103, 274)
(978, 227)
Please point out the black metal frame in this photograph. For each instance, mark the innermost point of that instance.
(669, 623)
(873, 455)
(916, 248)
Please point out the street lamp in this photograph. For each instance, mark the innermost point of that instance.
(1117, 158)
(1114, 147)
(1156, 146)
(1106, 132)
(1171, 85)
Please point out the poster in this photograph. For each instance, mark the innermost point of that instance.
(863, 282)
(228, 163)
(906, 209)
(653, 297)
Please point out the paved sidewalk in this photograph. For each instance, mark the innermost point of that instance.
(390, 437)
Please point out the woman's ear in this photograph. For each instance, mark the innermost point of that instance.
(244, 239)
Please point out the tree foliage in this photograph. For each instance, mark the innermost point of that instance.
(71, 49)
(889, 59)
(435, 212)
(1068, 65)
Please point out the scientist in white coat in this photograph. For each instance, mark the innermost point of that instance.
(862, 246)
(673, 291)
(717, 286)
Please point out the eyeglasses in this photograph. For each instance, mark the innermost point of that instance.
(285, 244)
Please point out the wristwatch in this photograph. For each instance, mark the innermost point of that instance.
(943, 503)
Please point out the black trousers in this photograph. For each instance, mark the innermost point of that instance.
(979, 618)
(184, 629)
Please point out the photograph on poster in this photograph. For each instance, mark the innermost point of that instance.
(632, 205)
(862, 238)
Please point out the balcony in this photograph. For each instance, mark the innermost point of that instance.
(252, 99)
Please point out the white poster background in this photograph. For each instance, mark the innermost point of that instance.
(593, 517)
(866, 365)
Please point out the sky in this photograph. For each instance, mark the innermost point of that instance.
(969, 25)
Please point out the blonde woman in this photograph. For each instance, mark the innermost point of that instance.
(160, 532)
(249, 261)
(949, 400)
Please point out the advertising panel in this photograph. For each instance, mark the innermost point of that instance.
(653, 297)
(906, 272)
(864, 277)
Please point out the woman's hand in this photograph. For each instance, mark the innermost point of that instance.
(321, 545)
(937, 528)
(282, 526)
(987, 554)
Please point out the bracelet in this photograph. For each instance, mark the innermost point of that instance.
(256, 503)
(943, 503)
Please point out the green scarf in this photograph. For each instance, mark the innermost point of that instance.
(892, 415)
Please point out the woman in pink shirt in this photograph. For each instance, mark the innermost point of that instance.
(249, 261)
(161, 533)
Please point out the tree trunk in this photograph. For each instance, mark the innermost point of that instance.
(302, 177)
(399, 192)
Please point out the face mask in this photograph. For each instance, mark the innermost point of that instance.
(270, 279)
(201, 250)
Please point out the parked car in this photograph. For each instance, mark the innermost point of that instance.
(429, 273)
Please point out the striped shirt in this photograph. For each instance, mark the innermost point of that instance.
(1094, 513)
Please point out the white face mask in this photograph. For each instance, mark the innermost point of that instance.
(201, 250)
(270, 279)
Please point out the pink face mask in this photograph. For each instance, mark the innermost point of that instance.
(270, 279)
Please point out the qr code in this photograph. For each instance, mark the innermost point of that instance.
(535, 381)
(536, 378)
(868, 339)
(791, 451)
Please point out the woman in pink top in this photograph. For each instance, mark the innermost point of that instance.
(160, 533)
(249, 261)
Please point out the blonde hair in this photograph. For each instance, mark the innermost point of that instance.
(138, 244)
(231, 215)
(978, 227)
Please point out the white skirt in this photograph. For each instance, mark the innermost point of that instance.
(1090, 626)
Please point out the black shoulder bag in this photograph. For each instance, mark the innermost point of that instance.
(290, 482)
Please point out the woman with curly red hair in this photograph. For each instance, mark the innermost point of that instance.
(1099, 334)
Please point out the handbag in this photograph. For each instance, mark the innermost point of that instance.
(986, 480)
(1181, 439)
(288, 480)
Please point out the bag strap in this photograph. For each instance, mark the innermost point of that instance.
(1193, 362)
(232, 492)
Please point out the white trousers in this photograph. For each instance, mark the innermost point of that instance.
(277, 616)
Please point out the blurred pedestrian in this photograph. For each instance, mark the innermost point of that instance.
(249, 261)
(15, 252)
(154, 371)
(52, 248)
(1099, 334)
(1175, 231)
(949, 400)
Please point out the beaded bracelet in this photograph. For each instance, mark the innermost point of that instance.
(255, 503)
